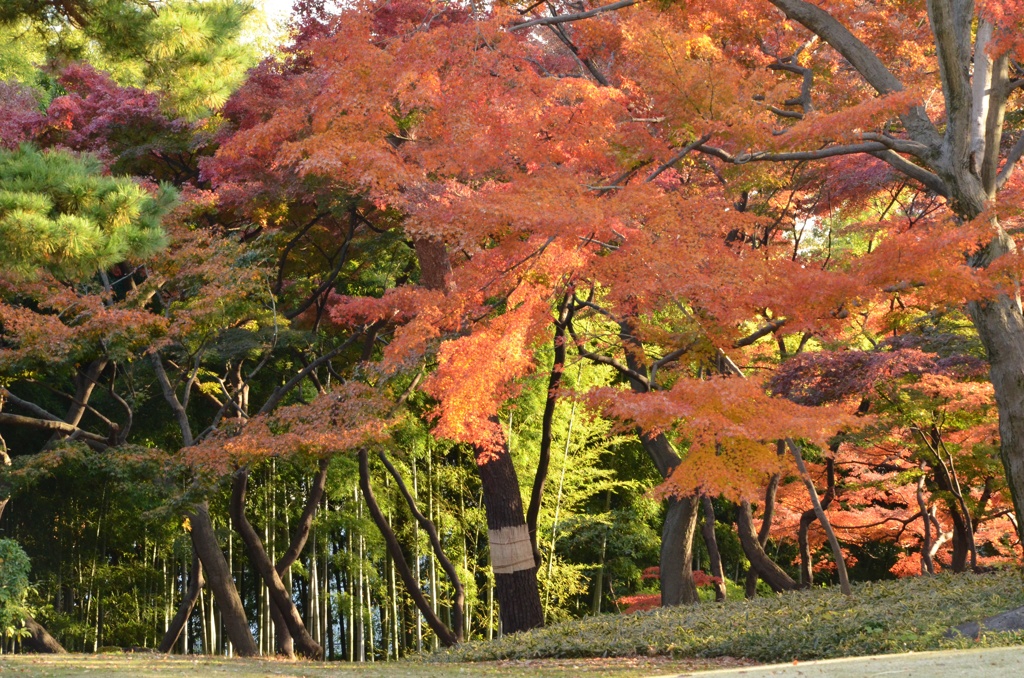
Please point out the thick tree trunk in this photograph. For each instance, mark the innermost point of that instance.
(954, 159)
(772, 574)
(282, 636)
(595, 606)
(5, 460)
(961, 545)
(515, 576)
(515, 570)
(188, 603)
(677, 585)
(85, 382)
(435, 266)
(204, 541)
(711, 541)
(279, 595)
(40, 639)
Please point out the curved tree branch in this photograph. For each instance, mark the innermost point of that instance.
(458, 609)
(444, 634)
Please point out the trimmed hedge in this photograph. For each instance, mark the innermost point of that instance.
(881, 617)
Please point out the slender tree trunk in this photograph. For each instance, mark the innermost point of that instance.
(204, 541)
(764, 532)
(962, 534)
(393, 587)
(772, 574)
(283, 637)
(544, 460)
(435, 543)
(444, 634)
(305, 645)
(595, 605)
(837, 552)
(313, 601)
(807, 518)
(512, 559)
(711, 541)
(188, 603)
(927, 566)
(204, 628)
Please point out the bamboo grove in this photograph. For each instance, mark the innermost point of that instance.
(427, 321)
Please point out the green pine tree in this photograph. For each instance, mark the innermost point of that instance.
(60, 214)
(195, 52)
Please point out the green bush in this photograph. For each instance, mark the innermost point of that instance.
(14, 569)
(880, 617)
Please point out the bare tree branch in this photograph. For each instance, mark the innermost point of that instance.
(565, 18)
(928, 179)
(786, 156)
(282, 391)
(91, 439)
(879, 149)
(770, 328)
(683, 152)
(172, 399)
(1011, 161)
(603, 359)
(862, 58)
(29, 406)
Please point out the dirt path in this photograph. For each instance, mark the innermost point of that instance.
(1000, 662)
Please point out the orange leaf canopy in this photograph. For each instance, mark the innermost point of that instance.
(730, 426)
(343, 419)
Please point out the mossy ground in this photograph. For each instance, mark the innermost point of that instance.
(881, 617)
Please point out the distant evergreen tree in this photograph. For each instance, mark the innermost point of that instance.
(193, 51)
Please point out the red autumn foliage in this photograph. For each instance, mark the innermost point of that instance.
(21, 116)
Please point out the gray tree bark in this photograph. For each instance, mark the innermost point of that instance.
(961, 165)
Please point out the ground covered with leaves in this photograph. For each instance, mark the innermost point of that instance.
(156, 665)
(881, 617)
